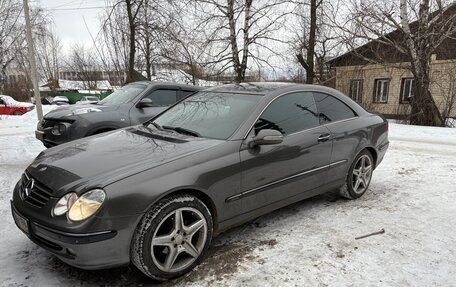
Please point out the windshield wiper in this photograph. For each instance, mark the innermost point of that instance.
(156, 125)
(182, 131)
(150, 121)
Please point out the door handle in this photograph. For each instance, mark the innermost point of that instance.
(324, 137)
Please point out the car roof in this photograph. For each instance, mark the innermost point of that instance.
(169, 84)
(253, 87)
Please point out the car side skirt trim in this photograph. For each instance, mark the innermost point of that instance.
(260, 188)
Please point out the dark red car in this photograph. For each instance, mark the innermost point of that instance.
(9, 106)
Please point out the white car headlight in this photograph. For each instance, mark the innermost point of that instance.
(64, 204)
(86, 205)
(85, 111)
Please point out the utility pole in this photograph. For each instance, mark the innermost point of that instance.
(31, 56)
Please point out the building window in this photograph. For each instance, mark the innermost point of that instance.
(381, 91)
(356, 90)
(407, 90)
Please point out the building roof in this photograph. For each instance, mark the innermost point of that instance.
(384, 53)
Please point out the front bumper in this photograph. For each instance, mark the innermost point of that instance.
(93, 250)
(73, 130)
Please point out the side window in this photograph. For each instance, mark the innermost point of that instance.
(2, 102)
(184, 94)
(408, 88)
(289, 114)
(381, 90)
(356, 90)
(331, 109)
(162, 98)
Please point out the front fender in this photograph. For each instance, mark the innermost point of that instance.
(215, 173)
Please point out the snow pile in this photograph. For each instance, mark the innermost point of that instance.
(310, 243)
(422, 134)
(17, 137)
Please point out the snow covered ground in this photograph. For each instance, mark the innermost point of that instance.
(310, 243)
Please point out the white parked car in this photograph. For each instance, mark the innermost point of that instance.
(60, 101)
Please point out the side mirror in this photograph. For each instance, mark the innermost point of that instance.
(145, 103)
(266, 137)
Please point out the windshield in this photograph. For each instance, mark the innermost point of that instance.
(209, 114)
(123, 95)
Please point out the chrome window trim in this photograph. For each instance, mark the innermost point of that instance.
(254, 190)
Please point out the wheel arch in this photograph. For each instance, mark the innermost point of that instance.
(100, 129)
(206, 199)
(373, 152)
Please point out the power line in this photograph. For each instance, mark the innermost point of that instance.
(78, 8)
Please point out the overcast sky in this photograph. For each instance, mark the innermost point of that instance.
(69, 16)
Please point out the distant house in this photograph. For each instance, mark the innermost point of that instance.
(387, 87)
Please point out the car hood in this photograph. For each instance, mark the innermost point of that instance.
(102, 159)
(67, 111)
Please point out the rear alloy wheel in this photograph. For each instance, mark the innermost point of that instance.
(172, 237)
(359, 176)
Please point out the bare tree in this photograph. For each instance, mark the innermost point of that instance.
(314, 39)
(10, 34)
(13, 49)
(309, 45)
(84, 63)
(238, 30)
(401, 29)
(112, 44)
(48, 49)
(182, 47)
(133, 7)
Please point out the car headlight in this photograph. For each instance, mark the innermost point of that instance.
(59, 128)
(86, 205)
(64, 204)
(85, 111)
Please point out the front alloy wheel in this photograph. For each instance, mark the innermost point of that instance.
(172, 237)
(179, 239)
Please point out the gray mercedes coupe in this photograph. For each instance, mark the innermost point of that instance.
(155, 194)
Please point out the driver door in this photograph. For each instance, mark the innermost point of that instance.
(270, 173)
(161, 99)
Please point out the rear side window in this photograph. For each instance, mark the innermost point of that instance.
(162, 98)
(331, 109)
(289, 114)
(184, 94)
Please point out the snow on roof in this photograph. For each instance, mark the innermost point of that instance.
(10, 102)
(80, 85)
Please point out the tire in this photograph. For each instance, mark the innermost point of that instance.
(18, 113)
(358, 178)
(171, 240)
